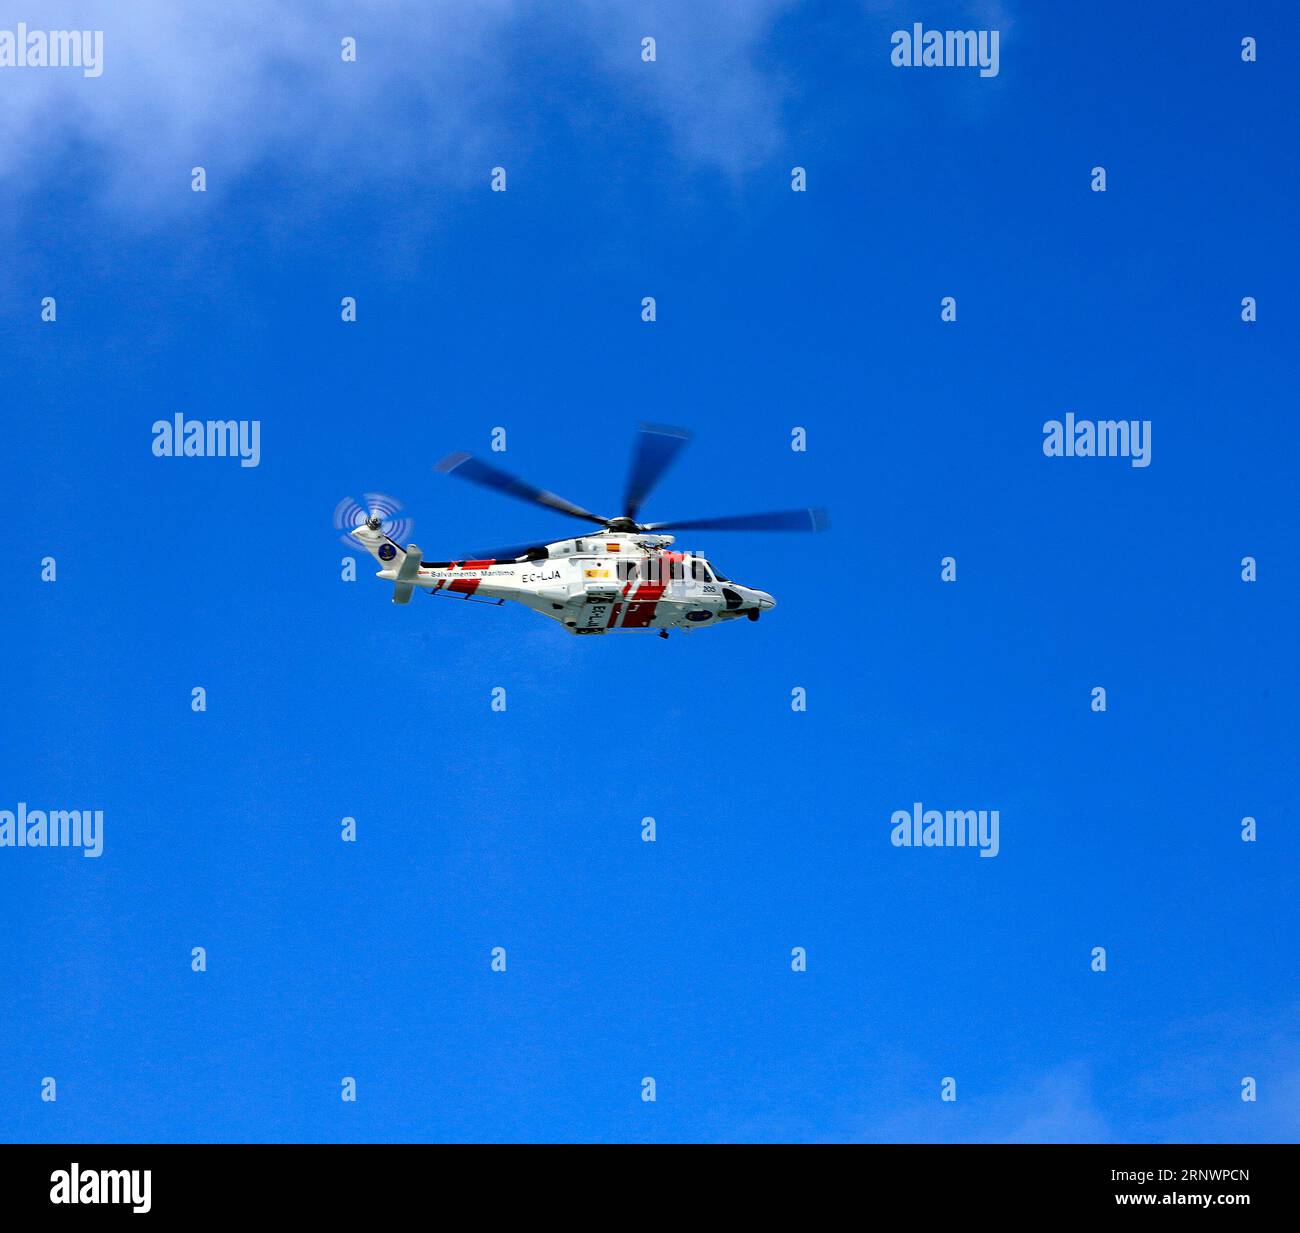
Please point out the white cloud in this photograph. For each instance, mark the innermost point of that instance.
(1059, 1108)
(712, 82)
(234, 85)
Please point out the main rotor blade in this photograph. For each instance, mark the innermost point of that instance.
(512, 552)
(779, 520)
(466, 466)
(656, 447)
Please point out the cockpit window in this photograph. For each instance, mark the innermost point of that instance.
(700, 570)
(719, 575)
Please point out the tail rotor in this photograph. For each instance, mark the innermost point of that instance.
(380, 512)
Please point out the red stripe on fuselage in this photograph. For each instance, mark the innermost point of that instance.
(641, 607)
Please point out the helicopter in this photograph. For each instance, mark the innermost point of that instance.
(623, 575)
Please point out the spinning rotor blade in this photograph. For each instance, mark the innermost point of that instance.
(466, 466)
(350, 514)
(656, 447)
(512, 552)
(397, 526)
(780, 520)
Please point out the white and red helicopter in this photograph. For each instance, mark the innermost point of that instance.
(623, 576)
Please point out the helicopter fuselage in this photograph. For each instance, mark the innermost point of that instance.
(589, 584)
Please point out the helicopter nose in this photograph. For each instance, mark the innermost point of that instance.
(765, 601)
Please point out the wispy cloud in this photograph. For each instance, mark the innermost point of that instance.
(441, 87)
(712, 83)
(1059, 1107)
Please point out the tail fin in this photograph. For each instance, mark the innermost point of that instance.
(401, 564)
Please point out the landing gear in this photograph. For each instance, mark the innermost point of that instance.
(663, 633)
(752, 614)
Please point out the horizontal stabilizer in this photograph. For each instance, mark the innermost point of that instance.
(411, 564)
(403, 587)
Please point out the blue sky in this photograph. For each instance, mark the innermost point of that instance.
(522, 829)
